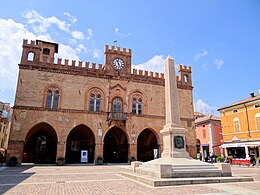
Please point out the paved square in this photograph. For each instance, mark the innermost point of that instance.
(105, 179)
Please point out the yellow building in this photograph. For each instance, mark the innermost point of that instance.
(5, 124)
(241, 127)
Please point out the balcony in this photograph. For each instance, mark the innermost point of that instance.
(117, 116)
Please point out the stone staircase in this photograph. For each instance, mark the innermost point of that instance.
(186, 169)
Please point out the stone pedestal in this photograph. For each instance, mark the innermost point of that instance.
(174, 142)
(175, 161)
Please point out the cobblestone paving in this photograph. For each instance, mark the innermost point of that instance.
(106, 180)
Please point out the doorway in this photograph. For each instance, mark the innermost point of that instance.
(115, 146)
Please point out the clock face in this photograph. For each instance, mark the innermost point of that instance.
(118, 63)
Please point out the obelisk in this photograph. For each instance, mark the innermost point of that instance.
(173, 133)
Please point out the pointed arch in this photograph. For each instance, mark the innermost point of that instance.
(115, 146)
(147, 142)
(81, 137)
(40, 144)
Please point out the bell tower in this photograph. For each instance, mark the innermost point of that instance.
(117, 61)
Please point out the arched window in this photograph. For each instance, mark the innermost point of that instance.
(30, 56)
(236, 124)
(56, 99)
(52, 98)
(137, 106)
(186, 78)
(117, 105)
(95, 103)
(46, 51)
(257, 121)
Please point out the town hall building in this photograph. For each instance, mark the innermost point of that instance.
(65, 107)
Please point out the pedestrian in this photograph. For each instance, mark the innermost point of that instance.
(252, 160)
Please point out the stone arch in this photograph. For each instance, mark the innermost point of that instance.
(147, 141)
(81, 137)
(32, 52)
(40, 144)
(116, 145)
(30, 56)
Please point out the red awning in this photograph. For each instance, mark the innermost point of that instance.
(2, 150)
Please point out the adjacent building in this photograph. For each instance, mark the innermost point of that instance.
(241, 127)
(209, 135)
(72, 109)
(5, 125)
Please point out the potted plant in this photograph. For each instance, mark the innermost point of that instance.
(12, 161)
(220, 159)
(258, 161)
(230, 159)
(60, 161)
(99, 160)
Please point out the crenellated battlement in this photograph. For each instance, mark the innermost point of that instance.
(43, 59)
(148, 74)
(184, 68)
(184, 78)
(29, 43)
(117, 50)
(78, 65)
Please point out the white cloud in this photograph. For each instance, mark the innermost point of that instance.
(71, 18)
(201, 54)
(218, 62)
(96, 53)
(90, 34)
(155, 64)
(41, 24)
(81, 48)
(36, 26)
(121, 34)
(77, 35)
(201, 106)
(11, 34)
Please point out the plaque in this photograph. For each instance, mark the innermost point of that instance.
(178, 142)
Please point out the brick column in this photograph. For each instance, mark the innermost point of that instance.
(15, 148)
(61, 149)
(132, 150)
(98, 150)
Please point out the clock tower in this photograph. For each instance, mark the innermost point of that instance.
(117, 61)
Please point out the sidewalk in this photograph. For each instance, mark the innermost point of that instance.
(2, 168)
(106, 179)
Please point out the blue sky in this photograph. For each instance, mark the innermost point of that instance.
(219, 39)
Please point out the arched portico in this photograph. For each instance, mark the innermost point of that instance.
(40, 145)
(146, 143)
(115, 146)
(80, 138)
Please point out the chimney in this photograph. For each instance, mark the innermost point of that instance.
(252, 95)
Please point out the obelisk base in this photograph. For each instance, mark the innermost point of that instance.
(174, 142)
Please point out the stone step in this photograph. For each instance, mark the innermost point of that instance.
(196, 173)
(156, 182)
(194, 167)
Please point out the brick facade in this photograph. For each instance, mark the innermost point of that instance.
(72, 118)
